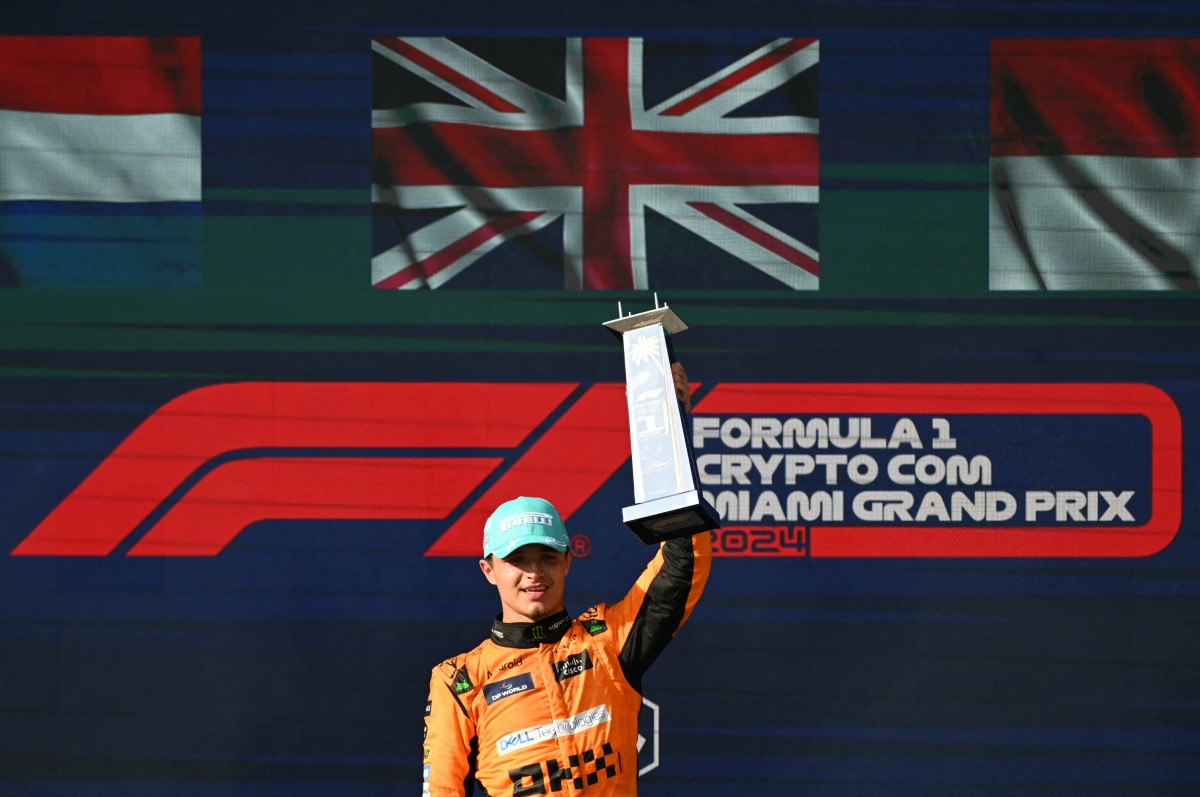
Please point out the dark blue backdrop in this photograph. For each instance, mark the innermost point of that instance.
(296, 661)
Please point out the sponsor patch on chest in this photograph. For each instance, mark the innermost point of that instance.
(569, 726)
(572, 665)
(507, 688)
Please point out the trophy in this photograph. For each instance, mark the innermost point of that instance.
(667, 503)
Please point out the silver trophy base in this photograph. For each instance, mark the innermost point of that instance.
(679, 515)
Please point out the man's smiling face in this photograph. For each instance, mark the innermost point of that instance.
(530, 581)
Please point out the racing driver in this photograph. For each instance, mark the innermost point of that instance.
(549, 703)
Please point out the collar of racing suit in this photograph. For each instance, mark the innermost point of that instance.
(530, 635)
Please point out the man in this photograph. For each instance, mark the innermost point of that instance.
(549, 704)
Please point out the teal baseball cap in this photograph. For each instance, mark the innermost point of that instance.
(523, 521)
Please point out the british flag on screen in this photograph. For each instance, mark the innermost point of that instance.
(595, 163)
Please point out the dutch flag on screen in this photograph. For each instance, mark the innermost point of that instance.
(100, 144)
(1095, 164)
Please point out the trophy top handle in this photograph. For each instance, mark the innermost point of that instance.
(659, 315)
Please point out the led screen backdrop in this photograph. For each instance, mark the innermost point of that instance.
(294, 296)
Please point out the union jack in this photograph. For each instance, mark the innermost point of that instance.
(480, 142)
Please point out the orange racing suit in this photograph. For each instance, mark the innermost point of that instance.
(552, 707)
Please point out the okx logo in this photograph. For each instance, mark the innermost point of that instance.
(211, 462)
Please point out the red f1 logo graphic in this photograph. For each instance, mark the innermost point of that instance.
(216, 437)
(211, 462)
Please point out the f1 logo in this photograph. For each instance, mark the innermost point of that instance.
(213, 461)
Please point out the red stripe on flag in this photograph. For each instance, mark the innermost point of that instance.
(456, 79)
(752, 233)
(738, 77)
(463, 246)
(100, 74)
(1132, 97)
(570, 157)
(602, 154)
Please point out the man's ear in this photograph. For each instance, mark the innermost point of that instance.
(486, 567)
